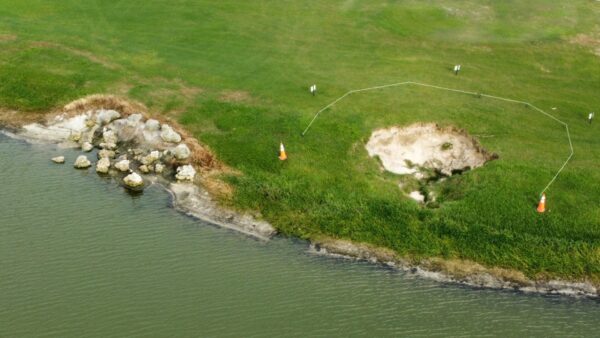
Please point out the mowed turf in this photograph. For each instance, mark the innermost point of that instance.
(237, 74)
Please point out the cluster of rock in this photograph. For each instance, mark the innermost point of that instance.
(126, 145)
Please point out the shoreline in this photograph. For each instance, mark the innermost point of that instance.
(459, 272)
(196, 200)
(193, 195)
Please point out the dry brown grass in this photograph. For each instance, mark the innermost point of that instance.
(12, 119)
(7, 37)
(460, 269)
(102, 101)
(163, 93)
(588, 41)
(357, 250)
(222, 191)
(235, 96)
(83, 53)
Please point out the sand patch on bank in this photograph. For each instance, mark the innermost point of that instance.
(421, 147)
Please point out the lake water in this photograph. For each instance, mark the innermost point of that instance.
(79, 257)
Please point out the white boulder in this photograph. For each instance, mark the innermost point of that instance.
(76, 135)
(82, 162)
(151, 132)
(109, 146)
(134, 119)
(106, 153)
(103, 165)
(122, 165)
(152, 125)
(145, 169)
(106, 116)
(159, 168)
(151, 158)
(58, 159)
(109, 136)
(169, 135)
(88, 134)
(181, 152)
(133, 180)
(185, 173)
(87, 147)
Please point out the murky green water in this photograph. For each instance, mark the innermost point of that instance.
(79, 257)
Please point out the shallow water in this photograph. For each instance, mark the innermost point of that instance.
(79, 257)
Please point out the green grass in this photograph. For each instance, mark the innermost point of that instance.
(273, 50)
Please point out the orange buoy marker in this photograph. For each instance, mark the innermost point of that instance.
(542, 205)
(282, 154)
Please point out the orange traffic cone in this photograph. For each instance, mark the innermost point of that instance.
(282, 154)
(542, 205)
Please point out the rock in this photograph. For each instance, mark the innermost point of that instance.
(134, 119)
(169, 135)
(75, 136)
(88, 135)
(181, 152)
(185, 173)
(122, 165)
(90, 122)
(106, 116)
(159, 168)
(106, 153)
(109, 146)
(152, 138)
(109, 136)
(145, 169)
(133, 180)
(152, 125)
(151, 158)
(82, 162)
(417, 196)
(125, 131)
(58, 159)
(103, 165)
(151, 132)
(87, 147)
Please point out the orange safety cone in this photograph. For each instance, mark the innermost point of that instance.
(542, 205)
(282, 154)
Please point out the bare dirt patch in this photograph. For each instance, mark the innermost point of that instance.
(419, 148)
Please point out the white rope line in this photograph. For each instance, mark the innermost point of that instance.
(463, 92)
